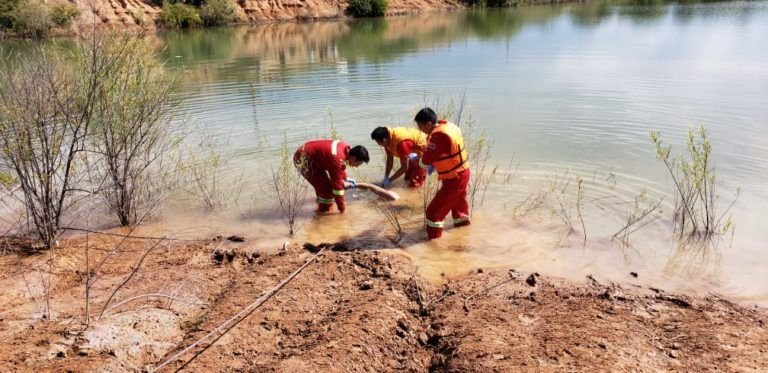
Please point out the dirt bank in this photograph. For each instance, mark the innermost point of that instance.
(142, 14)
(349, 311)
(138, 14)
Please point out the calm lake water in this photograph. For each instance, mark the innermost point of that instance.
(562, 91)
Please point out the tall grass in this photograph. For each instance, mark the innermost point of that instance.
(695, 183)
(204, 174)
(645, 210)
(289, 187)
(390, 212)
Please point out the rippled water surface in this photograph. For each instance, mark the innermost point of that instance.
(562, 91)
(565, 91)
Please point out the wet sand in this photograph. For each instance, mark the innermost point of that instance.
(353, 309)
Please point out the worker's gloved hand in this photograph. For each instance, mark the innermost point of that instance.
(351, 183)
(386, 183)
(430, 170)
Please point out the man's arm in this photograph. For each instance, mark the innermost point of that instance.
(404, 148)
(439, 144)
(403, 168)
(390, 162)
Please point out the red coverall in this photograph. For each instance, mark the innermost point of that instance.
(415, 175)
(322, 163)
(452, 196)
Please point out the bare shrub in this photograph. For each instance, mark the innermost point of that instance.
(390, 212)
(479, 148)
(532, 202)
(204, 169)
(133, 133)
(11, 211)
(289, 187)
(645, 210)
(45, 113)
(580, 204)
(560, 203)
(694, 178)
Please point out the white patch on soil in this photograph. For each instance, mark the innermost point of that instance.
(135, 337)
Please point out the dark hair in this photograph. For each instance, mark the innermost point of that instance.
(360, 153)
(426, 115)
(379, 134)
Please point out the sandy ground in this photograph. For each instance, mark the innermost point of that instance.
(349, 310)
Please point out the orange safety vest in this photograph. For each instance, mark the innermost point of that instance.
(449, 165)
(400, 134)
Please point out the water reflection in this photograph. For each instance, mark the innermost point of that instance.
(267, 53)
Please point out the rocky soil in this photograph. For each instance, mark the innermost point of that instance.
(350, 310)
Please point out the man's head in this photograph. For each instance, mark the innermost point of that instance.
(426, 119)
(381, 136)
(357, 156)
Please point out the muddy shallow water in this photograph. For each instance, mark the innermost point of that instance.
(564, 90)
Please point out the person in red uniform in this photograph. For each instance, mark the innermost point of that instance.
(324, 164)
(445, 153)
(401, 142)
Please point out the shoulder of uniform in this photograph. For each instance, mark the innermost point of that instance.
(440, 138)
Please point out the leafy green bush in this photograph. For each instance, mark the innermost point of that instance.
(63, 14)
(6, 12)
(217, 12)
(180, 15)
(33, 18)
(6, 179)
(367, 8)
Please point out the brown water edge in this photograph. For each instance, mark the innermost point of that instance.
(538, 241)
(358, 310)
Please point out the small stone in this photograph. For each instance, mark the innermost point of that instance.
(236, 238)
(479, 270)
(602, 345)
(61, 354)
(401, 323)
(634, 274)
(367, 285)
(498, 357)
(531, 280)
(673, 354)
(423, 338)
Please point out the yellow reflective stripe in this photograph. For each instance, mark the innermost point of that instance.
(324, 200)
(334, 147)
(337, 192)
(435, 224)
(460, 220)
